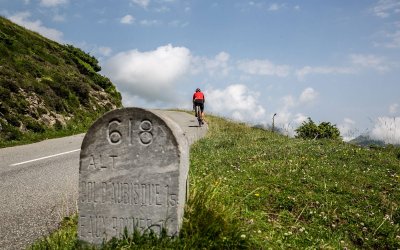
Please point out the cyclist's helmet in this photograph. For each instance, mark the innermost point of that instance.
(198, 90)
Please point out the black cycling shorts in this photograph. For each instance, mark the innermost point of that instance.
(199, 103)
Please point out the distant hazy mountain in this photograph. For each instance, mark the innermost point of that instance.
(365, 140)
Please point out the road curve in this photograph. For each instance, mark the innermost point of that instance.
(39, 183)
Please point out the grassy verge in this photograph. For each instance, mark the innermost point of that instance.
(76, 126)
(255, 189)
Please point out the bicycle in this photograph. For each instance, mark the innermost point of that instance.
(198, 114)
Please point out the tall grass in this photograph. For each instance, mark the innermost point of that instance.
(254, 189)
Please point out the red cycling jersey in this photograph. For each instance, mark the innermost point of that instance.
(198, 96)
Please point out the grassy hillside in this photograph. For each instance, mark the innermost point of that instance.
(254, 189)
(47, 86)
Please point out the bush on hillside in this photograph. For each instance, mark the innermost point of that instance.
(84, 60)
(310, 130)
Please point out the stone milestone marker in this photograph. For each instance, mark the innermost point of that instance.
(132, 174)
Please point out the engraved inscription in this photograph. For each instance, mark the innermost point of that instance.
(146, 125)
(114, 136)
(132, 174)
(172, 199)
(127, 193)
(145, 132)
(95, 226)
(146, 136)
(120, 223)
(88, 191)
(102, 162)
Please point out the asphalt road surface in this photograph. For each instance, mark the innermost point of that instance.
(39, 184)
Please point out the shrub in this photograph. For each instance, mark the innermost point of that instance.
(11, 85)
(81, 90)
(4, 93)
(80, 56)
(41, 111)
(21, 105)
(35, 126)
(13, 134)
(4, 108)
(58, 125)
(6, 39)
(310, 130)
(58, 87)
(26, 66)
(14, 121)
(101, 81)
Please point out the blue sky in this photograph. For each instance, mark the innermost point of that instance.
(335, 61)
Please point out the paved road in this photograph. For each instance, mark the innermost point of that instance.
(39, 183)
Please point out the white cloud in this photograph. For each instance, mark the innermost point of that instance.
(222, 57)
(149, 75)
(275, 7)
(387, 129)
(127, 19)
(300, 118)
(394, 40)
(142, 3)
(386, 8)
(22, 18)
(290, 127)
(285, 118)
(162, 9)
(347, 129)
(236, 101)
(263, 67)
(178, 24)
(393, 109)
(308, 95)
(288, 102)
(105, 51)
(59, 18)
(150, 22)
(212, 66)
(307, 70)
(377, 63)
(52, 3)
(286, 122)
(358, 62)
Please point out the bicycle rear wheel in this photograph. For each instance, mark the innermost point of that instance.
(198, 113)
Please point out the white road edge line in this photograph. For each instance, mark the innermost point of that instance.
(42, 158)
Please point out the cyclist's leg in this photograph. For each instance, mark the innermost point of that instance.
(194, 108)
(197, 111)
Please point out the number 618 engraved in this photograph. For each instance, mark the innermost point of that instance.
(145, 132)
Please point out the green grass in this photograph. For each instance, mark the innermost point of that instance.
(254, 189)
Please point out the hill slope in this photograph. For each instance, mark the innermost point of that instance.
(45, 85)
(295, 193)
(254, 189)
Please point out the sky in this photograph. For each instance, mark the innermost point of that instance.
(333, 61)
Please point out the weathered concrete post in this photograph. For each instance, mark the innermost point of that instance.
(132, 174)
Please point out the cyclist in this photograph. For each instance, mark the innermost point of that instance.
(199, 100)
